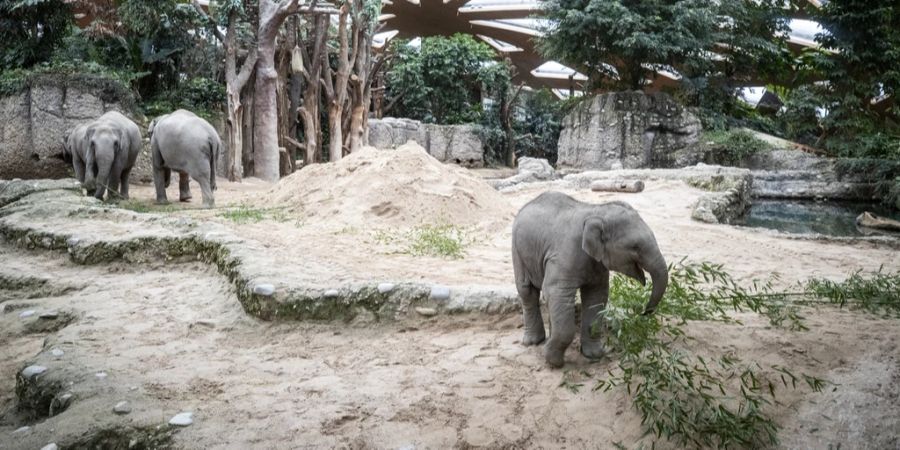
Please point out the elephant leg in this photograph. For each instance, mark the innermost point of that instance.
(184, 188)
(123, 188)
(206, 190)
(113, 187)
(561, 301)
(78, 165)
(531, 310)
(593, 301)
(159, 182)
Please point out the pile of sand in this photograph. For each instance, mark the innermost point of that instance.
(402, 187)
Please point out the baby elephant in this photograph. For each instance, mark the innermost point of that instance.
(103, 152)
(561, 245)
(189, 145)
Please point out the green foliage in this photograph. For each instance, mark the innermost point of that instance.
(442, 81)
(732, 147)
(441, 240)
(684, 397)
(538, 124)
(878, 293)
(30, 30)
(203, 96)
(885, 174)
(146, 207)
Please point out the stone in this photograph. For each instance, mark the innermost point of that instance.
(49, 315)
(540, 168)
(427, 312)
(264, 289)
(122, 408)
(439, 293)
(182, 419)
(458, 144)
(331, 293)
(100, 375)
(22, 429)
(26, 314)
(629, 130)
(384, 288)
(50, 446)
(57, 352)
(34, 121)
(32, 371)
(60, 403)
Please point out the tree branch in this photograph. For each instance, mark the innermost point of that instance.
(213, 24)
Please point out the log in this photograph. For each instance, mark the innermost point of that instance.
(617, 186)
(870, 220)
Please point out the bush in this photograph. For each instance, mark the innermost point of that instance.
(731, 148)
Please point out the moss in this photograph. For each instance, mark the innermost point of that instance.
(131, 438)
(715, 183)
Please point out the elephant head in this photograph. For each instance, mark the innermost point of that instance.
(618, 238)
(104, 146)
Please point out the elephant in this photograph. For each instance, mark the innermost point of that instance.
(183, 142)
(103, 153)
(561, 245)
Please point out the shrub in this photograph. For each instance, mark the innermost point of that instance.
(732, 147)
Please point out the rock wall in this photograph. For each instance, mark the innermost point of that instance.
(458, 144)
(33, 122)
(629, 130)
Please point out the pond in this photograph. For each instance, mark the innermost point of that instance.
(808, 217)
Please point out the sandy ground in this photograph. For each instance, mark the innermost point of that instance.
(173, 338)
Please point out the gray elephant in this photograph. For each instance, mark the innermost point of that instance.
(183, 142)
(561, 245)
(103, 153)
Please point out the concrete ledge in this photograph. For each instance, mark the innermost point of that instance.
(51, 215)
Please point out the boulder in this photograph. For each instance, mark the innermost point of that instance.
(540, 168)
(458, 144)
(629, 130)
(34, 121)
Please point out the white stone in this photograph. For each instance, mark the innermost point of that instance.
(22, 429)
(265, 289)
(122, 408)
(331, 293)
(50, 446)
(439, 292)
(32, 371)
(26, 314)
(100, 375)
(427, 312)
(72, 241)
(182, 419)
(57, 352)
(384, 288)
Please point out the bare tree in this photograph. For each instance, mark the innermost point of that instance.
(335, 83)
(312, 72)
(365, 18)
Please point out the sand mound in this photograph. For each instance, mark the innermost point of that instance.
(402, 187)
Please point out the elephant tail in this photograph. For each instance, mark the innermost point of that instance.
(214, 147)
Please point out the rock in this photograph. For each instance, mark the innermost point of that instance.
(458, 144)
(72, 241)
(57, 352)
(331, 293)
(206, 323)
(60, 403)
(22, 429)
(26, 314)
(49, 315)
(100, 375)
(539, 167)
(182, 419)
(439, 293)
(51, 446)
(34, 121)
(629, 130)
(122, 408)
(264, 289)
(427, 312)
(33, 371)
(384, 288)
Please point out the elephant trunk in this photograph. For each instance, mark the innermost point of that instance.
(102, 179)
(659, 274)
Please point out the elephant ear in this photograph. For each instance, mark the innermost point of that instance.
(151, 127)
(593, 239)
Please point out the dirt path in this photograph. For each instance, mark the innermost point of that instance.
(172, 338)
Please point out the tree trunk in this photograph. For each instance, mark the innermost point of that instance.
(336, 90)
(309, 112)
(632, 186)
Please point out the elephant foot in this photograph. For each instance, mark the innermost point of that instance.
(533, 337)
(593, 349)
(555, 358)
(162, 202)
(185, 199)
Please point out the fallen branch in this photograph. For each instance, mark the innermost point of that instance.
(617, 186)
